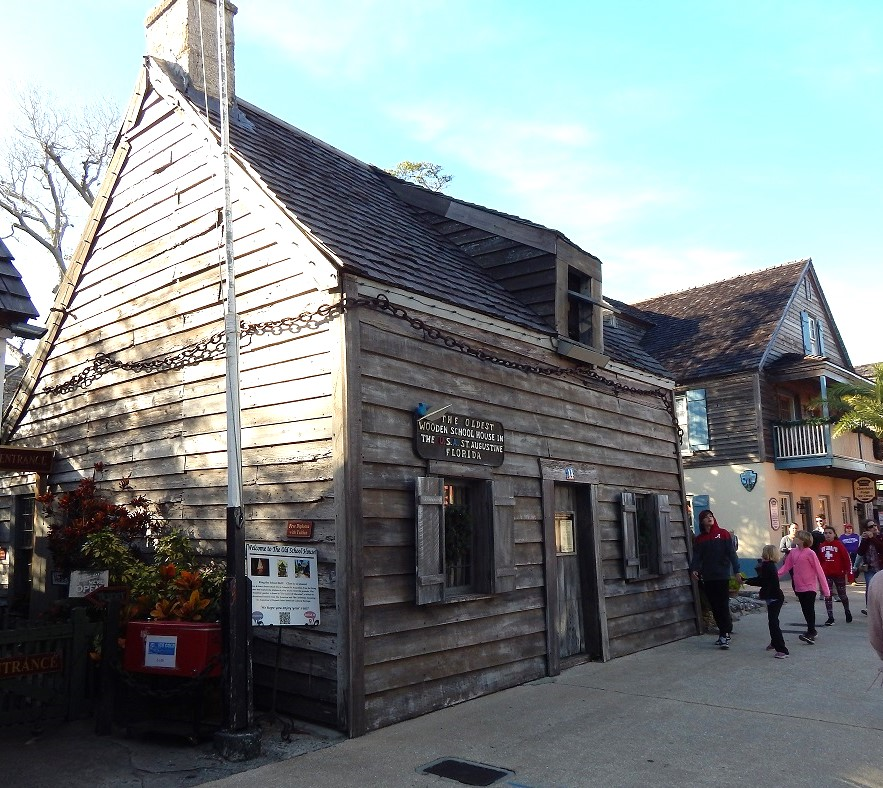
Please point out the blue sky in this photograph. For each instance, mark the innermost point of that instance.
(680, 142)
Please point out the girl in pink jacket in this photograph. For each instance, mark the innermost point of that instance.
(807, 577)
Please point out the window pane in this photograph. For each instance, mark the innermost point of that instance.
(646, 532)
(564, 535)
(579, 310)
(459, 536)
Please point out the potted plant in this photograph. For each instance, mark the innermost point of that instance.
(166, 581)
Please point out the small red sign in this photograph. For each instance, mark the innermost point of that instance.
(300, 529)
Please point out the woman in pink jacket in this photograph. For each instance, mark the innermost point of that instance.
(807, 577)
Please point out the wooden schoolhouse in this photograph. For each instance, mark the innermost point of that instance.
(491, 474)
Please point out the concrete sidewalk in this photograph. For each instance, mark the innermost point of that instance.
(683, 714)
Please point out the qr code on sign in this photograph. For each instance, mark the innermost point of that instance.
(284, 618)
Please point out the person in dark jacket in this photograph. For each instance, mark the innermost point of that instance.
(771, 593)
(714, 562)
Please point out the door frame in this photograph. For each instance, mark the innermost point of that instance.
(572, 473)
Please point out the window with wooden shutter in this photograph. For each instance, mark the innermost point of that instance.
(465, 538)
(646, 535)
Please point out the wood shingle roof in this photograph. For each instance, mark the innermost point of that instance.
(719, 328)
(350, 208)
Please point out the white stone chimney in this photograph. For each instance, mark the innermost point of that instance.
(174, 34)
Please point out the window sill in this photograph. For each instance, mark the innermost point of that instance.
(579, 352)
(464, 597)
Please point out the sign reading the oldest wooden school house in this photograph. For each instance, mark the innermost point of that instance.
(459, 438)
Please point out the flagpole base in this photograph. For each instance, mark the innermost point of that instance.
(238, 745)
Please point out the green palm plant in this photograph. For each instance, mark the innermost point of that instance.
(858, 407)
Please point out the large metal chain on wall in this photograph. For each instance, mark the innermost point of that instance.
(215, 346)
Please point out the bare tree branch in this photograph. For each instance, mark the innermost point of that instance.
(53, 165)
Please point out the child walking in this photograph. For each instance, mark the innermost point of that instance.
(770, 591)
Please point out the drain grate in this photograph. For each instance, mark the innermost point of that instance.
(465, 772)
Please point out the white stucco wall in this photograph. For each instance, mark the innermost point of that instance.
(748, 513)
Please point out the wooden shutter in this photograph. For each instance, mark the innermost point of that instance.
(697, 417)
(629, 517)
(663, 535)
(820, 330)
(429, 539)
(503, 552)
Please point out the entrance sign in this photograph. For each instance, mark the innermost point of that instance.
(284, 584)
(17, 458)
(458, 438)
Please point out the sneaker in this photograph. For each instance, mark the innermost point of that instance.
(830, 622)
(770, 647)
(864, 612)
(810, 641)
(848, 617)
(719, 641)
(782, 655)
(725, 643)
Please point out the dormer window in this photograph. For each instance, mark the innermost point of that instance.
(579, 308)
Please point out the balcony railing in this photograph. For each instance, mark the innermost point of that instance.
(806, 439)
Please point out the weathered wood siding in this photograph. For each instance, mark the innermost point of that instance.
(789, 339)
(151, 287)
(733, 427)
(420, 658)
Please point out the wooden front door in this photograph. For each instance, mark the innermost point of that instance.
(578, 623)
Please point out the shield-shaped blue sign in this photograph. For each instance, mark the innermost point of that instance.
(748, 479)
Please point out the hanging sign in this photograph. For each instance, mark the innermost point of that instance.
(774, 514)
(864, 489)
(83, 582)
(458, 438)
(284, 584)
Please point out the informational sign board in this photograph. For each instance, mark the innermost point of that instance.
(457, 438)
(284, 584)
(84, 583)
(160, 651)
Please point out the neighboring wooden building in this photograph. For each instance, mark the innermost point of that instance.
(493, 477)
(753, 357)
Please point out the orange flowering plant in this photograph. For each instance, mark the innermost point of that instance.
(165, 577)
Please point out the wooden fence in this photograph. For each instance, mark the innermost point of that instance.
(45, 671)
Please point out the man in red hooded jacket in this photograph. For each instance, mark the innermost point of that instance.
(714, 561)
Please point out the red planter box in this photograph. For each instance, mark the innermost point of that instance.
(173, 648)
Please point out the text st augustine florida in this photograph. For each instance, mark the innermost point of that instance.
(462, 437)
